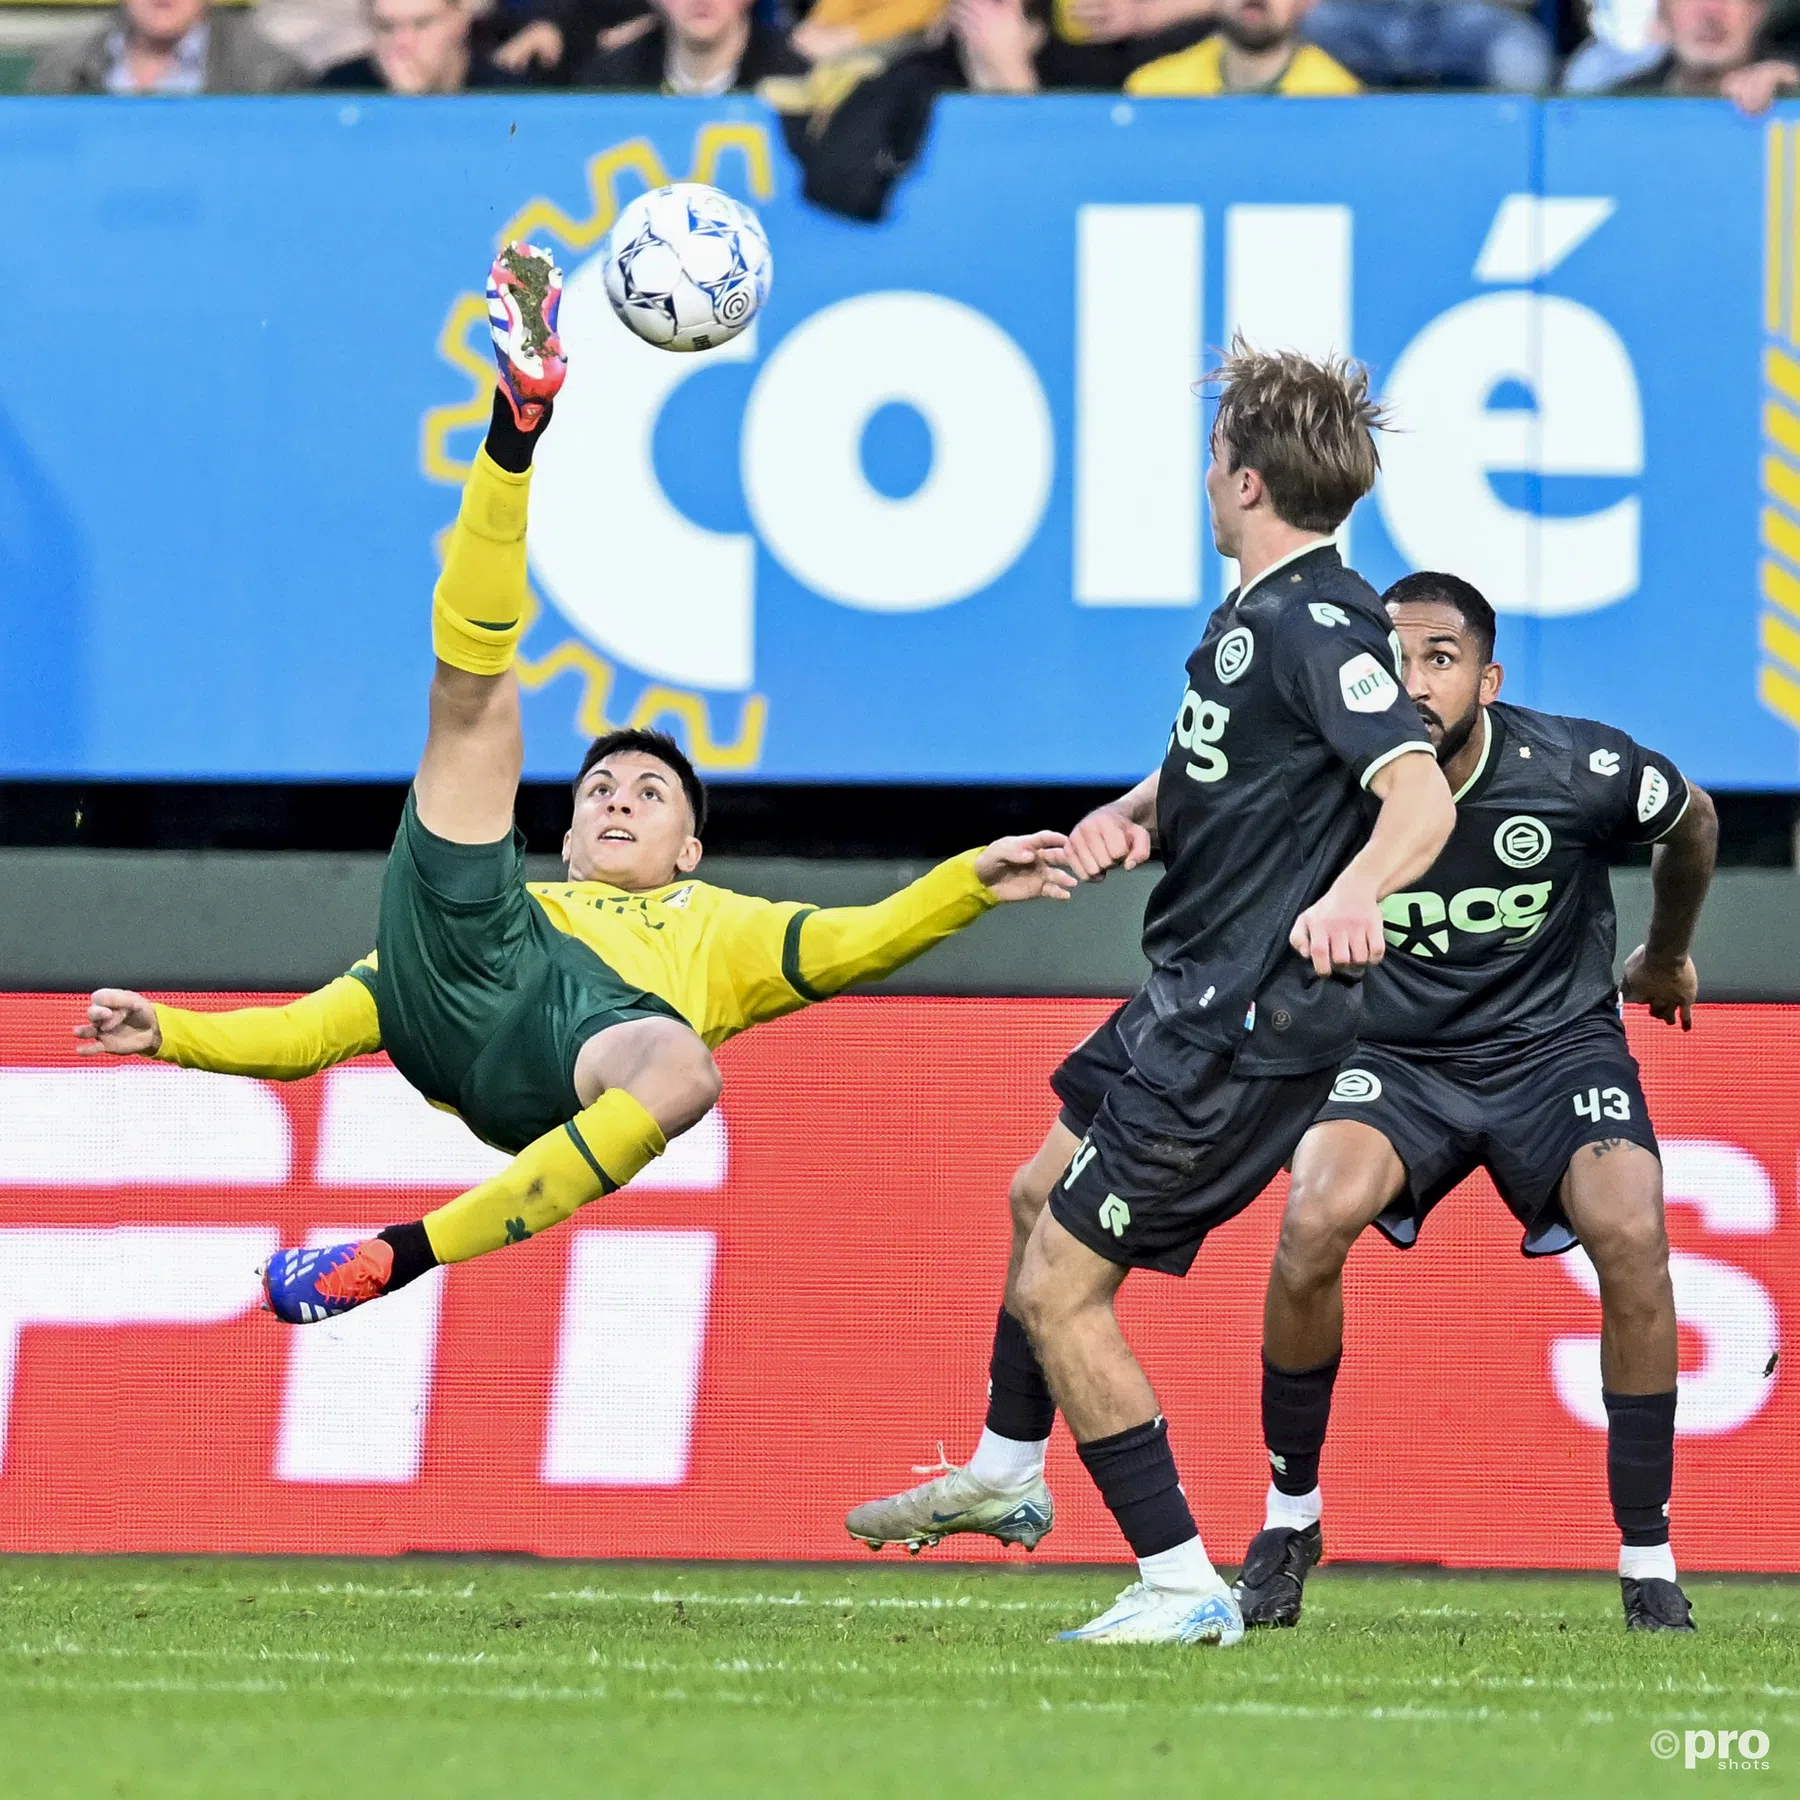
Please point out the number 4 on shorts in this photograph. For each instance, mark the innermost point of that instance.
(1603, 1103)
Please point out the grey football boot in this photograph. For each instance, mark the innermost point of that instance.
(952, 1501)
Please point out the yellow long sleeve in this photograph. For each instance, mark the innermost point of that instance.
(832, 948)
(279, 1043)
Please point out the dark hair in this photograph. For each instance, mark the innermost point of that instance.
(650, 743)
(1306, 427)
(1430, 587)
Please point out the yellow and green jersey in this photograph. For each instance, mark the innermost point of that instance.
(723, 961)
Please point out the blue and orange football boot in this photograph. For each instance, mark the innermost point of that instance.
(524, 294)
(303, 1287)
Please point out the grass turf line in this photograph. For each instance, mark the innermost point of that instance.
(239, 1678)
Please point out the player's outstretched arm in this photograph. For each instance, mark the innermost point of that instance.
(838, 946)
(1659, 973)
(1343, 929)
(1119, 835)
(273, 1043)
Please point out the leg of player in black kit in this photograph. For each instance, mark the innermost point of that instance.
(1613, 1196)
(1344, 1175)
(1000, 1492)
(1067, 1293)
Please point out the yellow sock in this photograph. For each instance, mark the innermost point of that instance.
(478, 608)
(597, 1151)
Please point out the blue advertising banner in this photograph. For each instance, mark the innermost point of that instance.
(940, 514)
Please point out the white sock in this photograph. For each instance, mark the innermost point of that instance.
(1006, 1463)
(1185, 1570)
(1646, 1562)
(1295, 1511)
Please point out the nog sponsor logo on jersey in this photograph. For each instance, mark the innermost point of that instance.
(1420, 923)
(1199, 726)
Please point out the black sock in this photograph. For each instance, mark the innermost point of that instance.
(507, 445)
(1135, 1473)
(1640, 1463)
(413, 1254)
(1296, 1408)
(1019, 1400)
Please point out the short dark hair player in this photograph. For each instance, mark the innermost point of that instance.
(573, 1023)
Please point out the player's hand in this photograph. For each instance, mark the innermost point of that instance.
(1669, 993)
(1026, 868)
(1341, 933)
(119, 1023)
(1107, 839)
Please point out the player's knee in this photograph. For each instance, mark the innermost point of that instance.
(699, 1078)
(675, 1076)
(1026, 1198)
(1631, 1257)
(1317, 1230)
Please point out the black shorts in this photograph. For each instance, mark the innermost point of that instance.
(1173, 1143)
(1522, 1122)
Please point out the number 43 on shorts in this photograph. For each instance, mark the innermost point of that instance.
(1604, 1103)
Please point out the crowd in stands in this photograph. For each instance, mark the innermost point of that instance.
(1744, 50)
(855, 80)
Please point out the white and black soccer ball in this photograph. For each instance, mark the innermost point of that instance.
(687, 267)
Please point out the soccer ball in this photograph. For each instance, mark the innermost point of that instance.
(687, 267)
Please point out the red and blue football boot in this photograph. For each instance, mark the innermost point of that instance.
(524, 293)
(303, 1287)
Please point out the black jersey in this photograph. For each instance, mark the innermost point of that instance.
(1291, 707)
(1509, 936)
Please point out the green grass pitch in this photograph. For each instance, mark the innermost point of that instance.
(450, 1677)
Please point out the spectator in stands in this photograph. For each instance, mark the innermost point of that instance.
(167, 47)
(1435, 43)
(557, 37)
(691, 47)
(841, 27)
(318, 33)
(1624, 40)
(421, 47)
(1256, 50)
(1021, 47)
(1711, 52)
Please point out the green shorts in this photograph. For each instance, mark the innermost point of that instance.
(484, 1004)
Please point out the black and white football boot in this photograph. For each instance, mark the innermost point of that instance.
(1275, 1569)
(1653, 1605)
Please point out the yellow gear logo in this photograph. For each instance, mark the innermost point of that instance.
(463, 344)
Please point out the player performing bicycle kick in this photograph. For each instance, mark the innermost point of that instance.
(571, 1023)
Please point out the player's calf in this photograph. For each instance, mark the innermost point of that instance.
(479, 608)
(1613, 1196)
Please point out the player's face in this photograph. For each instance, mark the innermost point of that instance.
(1224, 500)
(1446, 675)
(632, 827)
